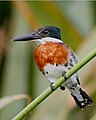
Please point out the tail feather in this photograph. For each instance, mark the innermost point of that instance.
(86, 100)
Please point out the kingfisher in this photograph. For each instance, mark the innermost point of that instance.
(53, 58)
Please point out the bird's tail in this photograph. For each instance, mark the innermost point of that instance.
(81, 98)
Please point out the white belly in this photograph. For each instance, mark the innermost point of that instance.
(54, 71)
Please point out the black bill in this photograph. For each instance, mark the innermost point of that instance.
(27, 37)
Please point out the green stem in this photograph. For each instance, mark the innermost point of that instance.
(59, 82)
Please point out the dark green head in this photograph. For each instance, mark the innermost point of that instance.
(43, 32)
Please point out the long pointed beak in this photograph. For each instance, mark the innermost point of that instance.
(27, 37)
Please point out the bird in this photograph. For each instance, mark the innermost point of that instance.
(54, 58)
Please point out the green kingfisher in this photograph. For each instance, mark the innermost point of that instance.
(53, 58)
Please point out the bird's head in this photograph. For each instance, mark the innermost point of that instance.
(42, 35)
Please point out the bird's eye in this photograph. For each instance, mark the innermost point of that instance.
(45, 32)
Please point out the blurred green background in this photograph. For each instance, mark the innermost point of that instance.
(18, 71)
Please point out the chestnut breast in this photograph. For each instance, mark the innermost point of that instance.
(51, 52)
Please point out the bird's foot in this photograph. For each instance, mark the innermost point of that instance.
(64, 75)
(52, 86)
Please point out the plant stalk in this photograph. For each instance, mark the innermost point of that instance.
(59, 82)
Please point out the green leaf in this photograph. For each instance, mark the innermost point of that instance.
(9, 99)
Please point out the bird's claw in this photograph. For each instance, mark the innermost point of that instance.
(64, 75)
(52, 86)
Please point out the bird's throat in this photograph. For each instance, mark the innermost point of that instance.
(48, 39)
